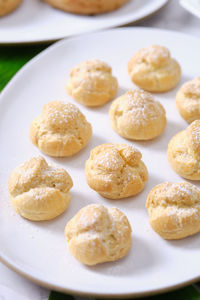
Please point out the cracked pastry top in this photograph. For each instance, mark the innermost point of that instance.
(174, 209)
(7, 6)
(91, 83)
(154, 70)
(87, 7)
(116, 171)
(61, 129)
(97, 234)
(39, 191)
(184, 152)
(188, 100)
(137, 116)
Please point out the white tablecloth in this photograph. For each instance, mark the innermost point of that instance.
(172, 17)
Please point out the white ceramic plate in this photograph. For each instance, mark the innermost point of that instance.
(35, 21)
(39, 250)
(15, 287)
(193, 6)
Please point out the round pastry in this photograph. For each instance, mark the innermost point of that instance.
(137, 116)
(87, 7)
(7, 6)
(174, 209)
(61, 130)
(188, 100)
(154, 70)
(116, 171)
(39, 191)
(97, 234)
(184, 152)
(91, 83)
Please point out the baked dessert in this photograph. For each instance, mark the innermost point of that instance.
(174, 209)
(154, 70)
(91, 83)
(87, 7)
(116, 171)
(39, 191)
(188, 100)
(61, 130)
(97, 234)
(137, 116)
(8, 6)
(184, 152)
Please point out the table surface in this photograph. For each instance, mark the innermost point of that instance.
(172, 17)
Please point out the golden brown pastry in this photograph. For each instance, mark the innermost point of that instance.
(97, 234)
(7, 6)
(184, 152)
(116, 171)
(39, 191)
(87, 7)
(61, 130)
(154, 70)
(137, 116)
(188, 100)
(91, 83)
(174, 209)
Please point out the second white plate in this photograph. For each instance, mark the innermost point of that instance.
(39, 250)
(35, 21)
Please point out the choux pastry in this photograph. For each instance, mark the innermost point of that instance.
(116, 171)
(174, 209)
(61, 130)
(39, 191)
(87, 7)
(184, 152)
(188, 100)
(154, 70)
(137, 116)
(91, 83)
(97, 234)
(7, 6)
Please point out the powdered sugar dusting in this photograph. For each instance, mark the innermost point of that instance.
(61, 113)
(154, 54)
(37, 194)
(109, 160)
(130, 177)
(87, 219)
(90, 66)
(183, 212)
(181, 195)
(196, 133)
(191, 89)
(141, 107)
(36, 174)
(183, 191)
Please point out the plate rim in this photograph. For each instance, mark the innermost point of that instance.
(58, 288)
(6, 261)
(120, 24)
(191, 8)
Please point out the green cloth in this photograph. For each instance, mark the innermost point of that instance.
(188, 293)
(59, 296)
(11, 60)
